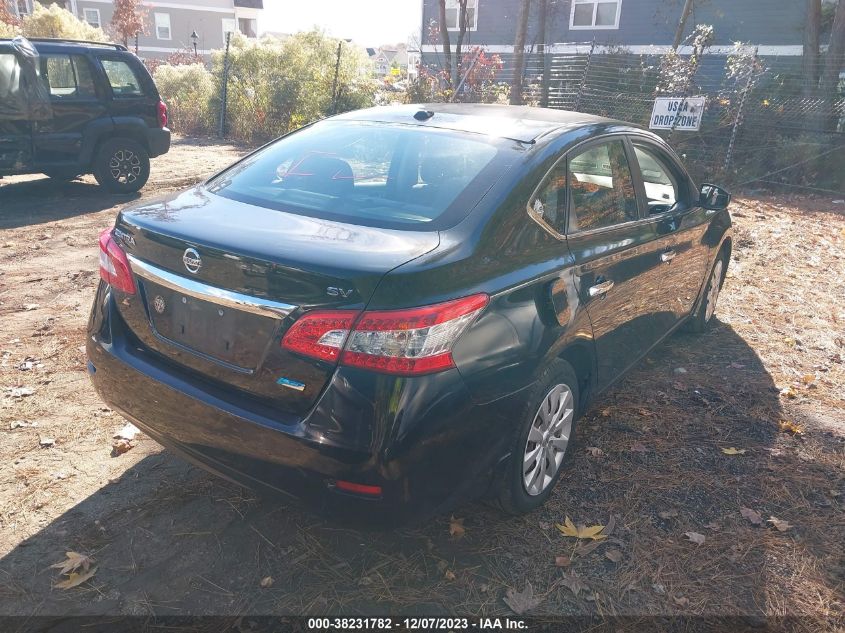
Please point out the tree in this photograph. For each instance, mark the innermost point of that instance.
(811, 47)
(57, 22)
(835, 55)
(519, 51)
(682, 23)
(454, 64)
(129, 18)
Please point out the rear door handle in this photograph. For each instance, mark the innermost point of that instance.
(600, 289)
(667, 256)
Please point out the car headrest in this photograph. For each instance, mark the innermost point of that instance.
(321, 173)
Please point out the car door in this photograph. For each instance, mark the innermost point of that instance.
(75, 104)
(133, 95)
(617, 264)
(15, 130)
(680, 226)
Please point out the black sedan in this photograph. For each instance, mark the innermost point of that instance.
(394, 310)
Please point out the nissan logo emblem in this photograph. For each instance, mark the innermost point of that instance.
(192, 260)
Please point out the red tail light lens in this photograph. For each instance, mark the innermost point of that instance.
(402, 342)
(114, 266)
(162, 114)
(359, 489)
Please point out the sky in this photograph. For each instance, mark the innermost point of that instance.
(366, 22)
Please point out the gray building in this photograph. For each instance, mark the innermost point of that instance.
(170, 24)
(641, 26)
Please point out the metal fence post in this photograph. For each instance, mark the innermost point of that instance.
(224, 90)
(740, 108)
(583, 83)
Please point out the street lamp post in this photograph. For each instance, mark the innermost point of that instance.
(194, 38)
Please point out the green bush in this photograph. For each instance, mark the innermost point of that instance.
(188, 91)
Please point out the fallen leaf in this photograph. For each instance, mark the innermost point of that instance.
(658, 588)
(266, 582)
(74, 561)
(667, 514)
(787, 426)
(22, 392)
(21, 424)
(681, 601)
(638, 447)
(613, 555)
(562, 561)
(46, 442)
(713, 526)
(695, 537)
(120, 447)
(753, 516)
(595, 451)
(734, 451)
(808, 379)
(582, 548)
(779, 524)
(75, 580)
(31, 306)
(522, 601)
(789, 392)
(605, 413)
(581, 532)
(456, 528)
(572, 582)
(449, 575)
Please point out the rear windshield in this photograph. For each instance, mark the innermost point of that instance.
(376, 174)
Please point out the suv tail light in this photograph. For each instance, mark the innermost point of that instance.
(403, 342)
(114, 266)
(162, 114)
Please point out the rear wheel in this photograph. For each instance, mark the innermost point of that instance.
(122, 165)
(542, 440)
(699, 322)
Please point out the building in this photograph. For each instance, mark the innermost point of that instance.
(171, 23)
(641, 26)
(397, 59)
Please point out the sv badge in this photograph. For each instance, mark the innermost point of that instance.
(339, 292)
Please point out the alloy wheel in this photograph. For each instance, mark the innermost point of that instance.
(548, 440)
(713, 290)
(125, 166)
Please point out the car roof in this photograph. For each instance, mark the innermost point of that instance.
(525, 124)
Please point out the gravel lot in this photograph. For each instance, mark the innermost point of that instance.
(167, 539)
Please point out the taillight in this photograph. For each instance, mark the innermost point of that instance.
(162, 114)
(114, 266)
(402, 342)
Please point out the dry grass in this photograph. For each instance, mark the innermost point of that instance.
(172, 541)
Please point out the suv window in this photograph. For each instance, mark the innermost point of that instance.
(122, 78)
(661, 187)
(67, 77)
(601, 188)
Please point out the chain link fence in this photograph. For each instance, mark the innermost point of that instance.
(764, 126)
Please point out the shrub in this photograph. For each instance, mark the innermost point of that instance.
(57, 22)
(187, 90)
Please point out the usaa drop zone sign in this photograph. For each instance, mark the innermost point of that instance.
(677, 113)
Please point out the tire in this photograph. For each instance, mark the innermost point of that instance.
(63, 174)
(517, 495)
(700, 321)
(122, 165)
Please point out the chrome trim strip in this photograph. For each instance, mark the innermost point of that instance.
(235, 300)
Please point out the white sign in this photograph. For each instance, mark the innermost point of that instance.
(677, 113)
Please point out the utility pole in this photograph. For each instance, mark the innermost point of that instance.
(225, 87)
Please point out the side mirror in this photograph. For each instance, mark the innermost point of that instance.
(713, 197)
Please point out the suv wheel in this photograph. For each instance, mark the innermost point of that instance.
(122, 165)
(542, 440)
(62, 173)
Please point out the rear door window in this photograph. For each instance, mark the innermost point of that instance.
(601, 188)
(122, 78)
(369, 173)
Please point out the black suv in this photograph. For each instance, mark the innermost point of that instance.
(72, 107)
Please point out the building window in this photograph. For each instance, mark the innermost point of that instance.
(248, 26)
(23, 7)
(92, 17)
(595, 14)
(162, 26)
(229, 26)
(453, 9)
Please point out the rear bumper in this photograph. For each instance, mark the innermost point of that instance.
(158, 140)
(433, 448)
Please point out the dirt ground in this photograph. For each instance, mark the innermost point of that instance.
(653, 460)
